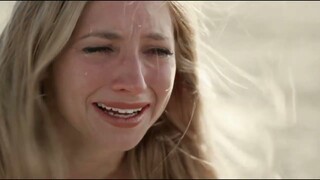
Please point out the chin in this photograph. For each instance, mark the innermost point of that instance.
(123, 143)
(119, 139)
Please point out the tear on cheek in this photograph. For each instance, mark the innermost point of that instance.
(167, 90)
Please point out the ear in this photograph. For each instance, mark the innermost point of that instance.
(43, 85)
(182, 104)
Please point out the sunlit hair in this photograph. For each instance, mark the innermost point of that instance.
(35, 35)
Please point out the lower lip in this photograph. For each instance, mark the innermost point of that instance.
(122, 122)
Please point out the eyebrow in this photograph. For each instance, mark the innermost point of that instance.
(156, 36)
(116, 36)
(104, 35)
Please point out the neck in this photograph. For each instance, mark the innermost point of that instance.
(94, 164)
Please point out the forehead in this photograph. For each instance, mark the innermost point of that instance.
(126, 16)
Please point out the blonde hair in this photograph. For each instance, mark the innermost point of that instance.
(34, 37)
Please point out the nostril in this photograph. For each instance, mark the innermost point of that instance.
(129, 84)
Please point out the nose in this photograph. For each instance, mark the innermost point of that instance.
(129, 78)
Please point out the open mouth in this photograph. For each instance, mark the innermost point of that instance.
(120, 113)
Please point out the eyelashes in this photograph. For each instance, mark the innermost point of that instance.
(101, 49)
(160, 52)
(154, 51)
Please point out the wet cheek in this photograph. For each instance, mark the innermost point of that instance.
(161, 80)
(89, 80)
(76, 78)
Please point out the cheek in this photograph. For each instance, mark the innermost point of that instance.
(161, 80)
(76, 76)
(74, 82)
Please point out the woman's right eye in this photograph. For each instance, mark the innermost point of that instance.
(101, 49)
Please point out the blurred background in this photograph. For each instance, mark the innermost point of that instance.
(266, 78)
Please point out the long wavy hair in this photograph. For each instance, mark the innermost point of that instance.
(174, 147)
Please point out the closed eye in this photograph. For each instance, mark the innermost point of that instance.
(160, 52)
(100, 49)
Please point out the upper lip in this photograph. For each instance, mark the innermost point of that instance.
(125, 105)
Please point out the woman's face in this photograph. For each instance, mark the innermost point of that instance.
(114, 79)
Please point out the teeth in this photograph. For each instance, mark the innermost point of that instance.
(122, 111)
(102, 106)
(121, 115)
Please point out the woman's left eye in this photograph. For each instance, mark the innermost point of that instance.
(160, 52)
